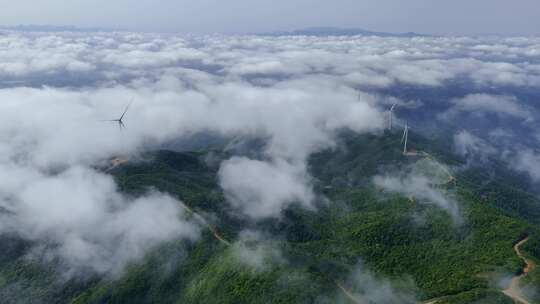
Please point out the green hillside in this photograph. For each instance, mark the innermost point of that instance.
(415, 247)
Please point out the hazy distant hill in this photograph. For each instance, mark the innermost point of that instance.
(335, 31)
(53, 28)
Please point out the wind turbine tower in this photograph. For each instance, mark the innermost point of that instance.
(390, 116)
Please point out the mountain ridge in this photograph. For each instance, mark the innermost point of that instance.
(338, 31)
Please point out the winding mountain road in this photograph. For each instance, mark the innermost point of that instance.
(513, 290)
(115, 162)
(349, 294)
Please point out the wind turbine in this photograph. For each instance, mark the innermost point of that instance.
(120, 120)
(405, 137)
(390, 114)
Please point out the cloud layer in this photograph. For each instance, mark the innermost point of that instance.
(294, 93)
(52, 138)
(357, 61)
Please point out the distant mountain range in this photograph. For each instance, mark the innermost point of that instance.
(311, 31)
(54, 28)
(335, 31)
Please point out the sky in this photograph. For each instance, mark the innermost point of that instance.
(249, 16)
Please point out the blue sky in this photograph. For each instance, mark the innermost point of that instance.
(237, 16)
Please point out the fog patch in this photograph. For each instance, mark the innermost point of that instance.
(527, 161)
(80, 217)
(425, 183)
(254, 250)
(472, 147)
(364, 286)
(262, 189)
(479, 104)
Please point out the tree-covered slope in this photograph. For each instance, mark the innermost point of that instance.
(312, 256)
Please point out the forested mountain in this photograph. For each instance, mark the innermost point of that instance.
(364, 240)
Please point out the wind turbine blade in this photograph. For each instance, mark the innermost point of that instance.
(127, 108)
(404, 134)
(405, 144)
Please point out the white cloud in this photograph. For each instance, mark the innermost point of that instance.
(484, 103)
(263, 189)
(254, 250)
(52, 139)
(364, 61)
(369, 78)
(365, 286)
(528, 161)
(79, 216)
(423, 189)
(470, 145)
